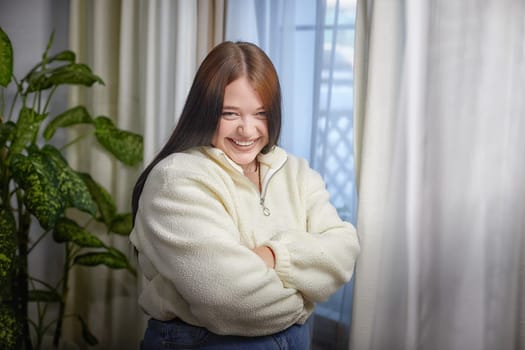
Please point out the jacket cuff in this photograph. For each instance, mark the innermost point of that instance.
(283, 264)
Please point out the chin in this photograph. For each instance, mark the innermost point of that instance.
(244, 159)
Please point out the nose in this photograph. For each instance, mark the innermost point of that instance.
(246, 125)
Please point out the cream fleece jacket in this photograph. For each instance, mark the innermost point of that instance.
(198, 219)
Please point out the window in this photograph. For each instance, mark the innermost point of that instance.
(301, 37)
(332, 155)
(332, 146)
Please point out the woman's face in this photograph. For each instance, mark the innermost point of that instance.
(243, 128)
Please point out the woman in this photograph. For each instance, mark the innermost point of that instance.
(237, 239)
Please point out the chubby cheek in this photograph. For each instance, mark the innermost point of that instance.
(220, 136)
(216, 139)
(264, 131)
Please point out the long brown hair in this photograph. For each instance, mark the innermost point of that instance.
(199, 119)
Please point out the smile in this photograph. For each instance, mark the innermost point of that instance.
(243, 143)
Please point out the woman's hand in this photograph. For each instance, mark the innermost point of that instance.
(266, 254)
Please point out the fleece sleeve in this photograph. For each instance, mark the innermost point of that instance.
(188, 233)
(321, 260)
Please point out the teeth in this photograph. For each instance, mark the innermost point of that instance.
(243, 143)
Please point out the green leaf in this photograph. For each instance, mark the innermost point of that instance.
(8, 233)
(70, 185)
(124, 145)
(103, 258)
(102, 198)
(75, 73)
(7, 132)
(50, 185)
(11, 329)
(67, 55)
(49, 44)
(67, 230)
(39, 69)
(47, 296)
(6, 59)
(37, 80)
(41, 195)
(27, 127)
(117, 253)
(75, 115)
(89, 338)
(8, 252)
(122, 224)
(71, 74)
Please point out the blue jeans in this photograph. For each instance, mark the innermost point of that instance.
(177, 334)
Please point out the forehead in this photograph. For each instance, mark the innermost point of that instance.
(241, 91)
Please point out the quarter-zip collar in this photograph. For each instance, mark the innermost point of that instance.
(269, 163)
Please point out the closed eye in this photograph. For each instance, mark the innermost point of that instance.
(229, 115)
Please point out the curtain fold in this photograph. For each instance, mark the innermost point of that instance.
(178, 34)
(439, 125)
(147, 53)
(103, 34)
(377, 67)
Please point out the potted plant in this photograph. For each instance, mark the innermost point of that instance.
(38, 189)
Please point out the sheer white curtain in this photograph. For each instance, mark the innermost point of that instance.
(310, 43)
(440, 146)
(271, 25)
(147, 52)
(177, 36)
(105, 298)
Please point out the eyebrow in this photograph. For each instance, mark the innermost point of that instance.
(261, 108)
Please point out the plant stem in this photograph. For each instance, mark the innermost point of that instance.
(2, 104)
(6, 177)
(38, 240)
(22, 282)
(13, 103)
(62, 308)
(37, 326)
(75, 140)
(51, 93)
(44, 283)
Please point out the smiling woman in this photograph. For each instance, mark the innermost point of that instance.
(236, 238)
(242, 131)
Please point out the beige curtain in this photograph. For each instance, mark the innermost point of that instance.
(439, 139)
(147, 52)
(377, 74)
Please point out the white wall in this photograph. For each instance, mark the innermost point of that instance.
(29, 24)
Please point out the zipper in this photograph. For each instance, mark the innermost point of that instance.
(264, 186)
(265, 209)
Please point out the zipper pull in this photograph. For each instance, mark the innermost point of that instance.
(265, 210)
